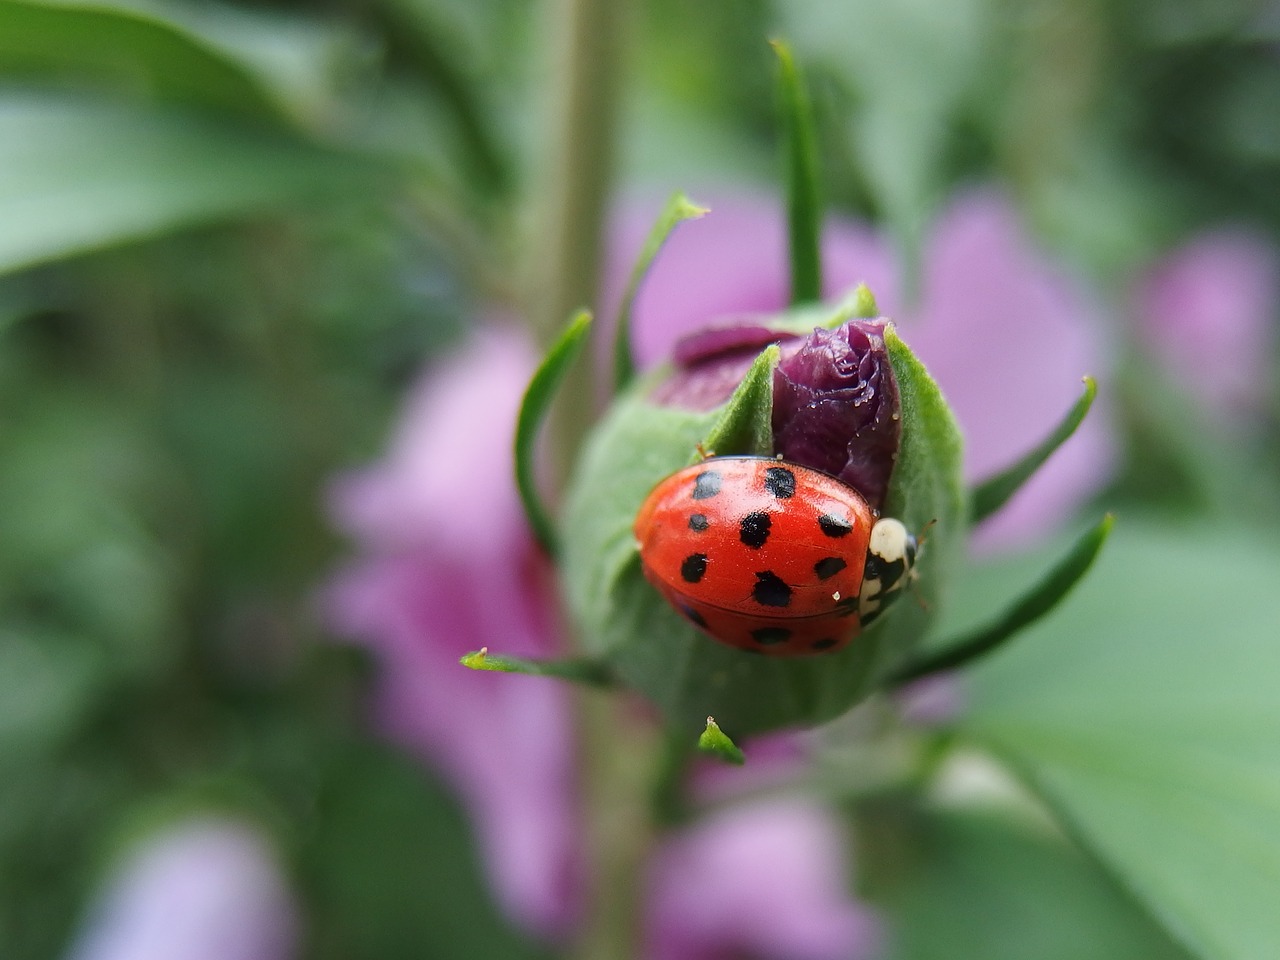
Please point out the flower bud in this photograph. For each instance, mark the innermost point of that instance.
(835, 399)
(836, 407)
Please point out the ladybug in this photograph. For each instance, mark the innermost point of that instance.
(769, 556)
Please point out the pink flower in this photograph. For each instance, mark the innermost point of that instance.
(434, 581)
(447, 566)
(1207, 312)
(760, 880)
(1005, 331)
(204, 889)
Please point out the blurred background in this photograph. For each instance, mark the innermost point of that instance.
(232, 237)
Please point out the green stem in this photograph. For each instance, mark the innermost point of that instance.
(586, 49)
(618, 752)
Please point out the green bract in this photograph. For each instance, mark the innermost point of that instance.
(624, 621)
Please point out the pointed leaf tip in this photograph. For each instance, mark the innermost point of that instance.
(533, 412)
(678, 209)
(715, 741)
(864, 303)
(746, 425)
(994, 492)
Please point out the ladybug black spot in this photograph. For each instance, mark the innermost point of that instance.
(706, 485)
(780, 482)
(770, 590)
(834, 526)
(874, 568)
(828, 567)
(768, 636)
(826, 643)
(693, 616)
(698, 522)
(693, 567)
(754, 529)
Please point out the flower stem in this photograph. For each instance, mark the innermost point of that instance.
(585, 42)
(618, 760)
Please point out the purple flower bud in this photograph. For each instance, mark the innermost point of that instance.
(836, 407)
(711, 362)
(835, 400)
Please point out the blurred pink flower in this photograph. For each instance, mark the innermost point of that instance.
(447, 566)
(1004, 330)
(436, 580)
(759, 880)
(1207, 311)
(203, 889)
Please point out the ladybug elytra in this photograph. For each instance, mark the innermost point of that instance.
(771, 557)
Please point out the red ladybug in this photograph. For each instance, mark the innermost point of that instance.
(769, 556)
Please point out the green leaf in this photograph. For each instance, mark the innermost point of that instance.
(864, 303)
(745, 426)
(977, 884)
(1145, 714)
(1048, 592)
(533, 411)
(76, 175)
(715, 741)
(579, 670)
(993, 493)
(688, 675)
(804, 204)
(117, 46)
(678, 209)
(391, 865)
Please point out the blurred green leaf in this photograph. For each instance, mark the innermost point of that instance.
(981, 885)
(76, 175)
(391, 870)
(1145, 714)
(47, 683)
(128, 48)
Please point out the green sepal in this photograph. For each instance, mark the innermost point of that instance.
(578, 669)
(533, 411)
(678, 209)
(745, 427)
(688, 676)
(864, 303)
(715, 741)
(804, 206)
(994, 492)
(1051, 590)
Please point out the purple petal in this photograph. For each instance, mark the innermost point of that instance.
(204, 889)
(836, 409)
(451, 449)
(1207, 312)
(768, 880)
(440, 578)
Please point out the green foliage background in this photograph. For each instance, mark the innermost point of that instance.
(230, 235)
